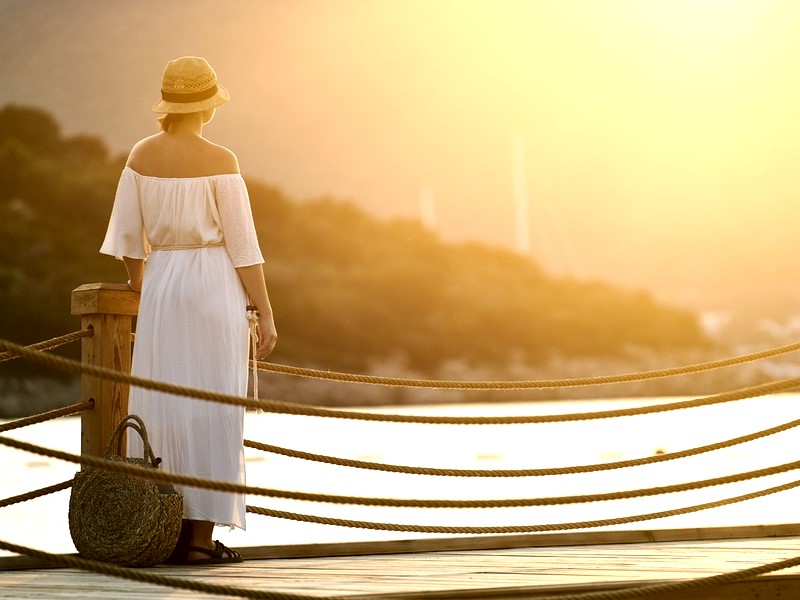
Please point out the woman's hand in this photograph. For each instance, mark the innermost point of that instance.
(253, 281)
(135, 267)
(267, 337)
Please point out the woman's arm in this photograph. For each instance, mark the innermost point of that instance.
(135, 267)
(256, 287)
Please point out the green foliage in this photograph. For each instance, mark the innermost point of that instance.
(347, 289)
(32, 127)
(52, 207)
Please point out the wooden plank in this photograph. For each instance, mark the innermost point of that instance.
(521, 541)
(766, 588)
(70, 584)
(109, 347)
(481, 543)
(107, 309)
(509, 573)
(104, 298)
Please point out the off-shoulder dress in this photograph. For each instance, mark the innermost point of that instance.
(192, 326)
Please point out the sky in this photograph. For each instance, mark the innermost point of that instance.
(650, 143)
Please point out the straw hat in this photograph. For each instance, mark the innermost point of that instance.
(188, 85)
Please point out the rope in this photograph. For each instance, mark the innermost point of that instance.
(49, 344)
(47, 416)
(149, 577)
(224, 486)
(252, 318)
(289, 408)
(528, 502)
(741, 394)
(525, 384)
(451, 384)
(637, 592)
(36, 493)
(140, 575)
(373, 466)
(503, 529)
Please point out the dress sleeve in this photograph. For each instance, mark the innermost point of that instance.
(125, 235)
(236, 222)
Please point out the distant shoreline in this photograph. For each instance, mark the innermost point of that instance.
(21, 397)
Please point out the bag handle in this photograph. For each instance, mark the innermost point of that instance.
(133, 422)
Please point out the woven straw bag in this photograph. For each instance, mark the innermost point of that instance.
(120, 518)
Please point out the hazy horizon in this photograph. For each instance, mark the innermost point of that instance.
(658, 139)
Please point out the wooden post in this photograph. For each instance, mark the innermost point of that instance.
(108, 309)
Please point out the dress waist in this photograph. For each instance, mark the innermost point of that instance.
(187, 246)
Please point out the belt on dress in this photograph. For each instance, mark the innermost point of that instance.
(187, 246)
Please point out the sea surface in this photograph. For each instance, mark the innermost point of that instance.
(42, 523)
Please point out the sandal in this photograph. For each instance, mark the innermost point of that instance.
(220, 554)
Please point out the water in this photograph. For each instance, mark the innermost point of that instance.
(42, 523)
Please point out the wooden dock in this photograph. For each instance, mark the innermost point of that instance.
(499, 567)
(530, 566)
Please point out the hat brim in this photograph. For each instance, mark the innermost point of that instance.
(218, 99)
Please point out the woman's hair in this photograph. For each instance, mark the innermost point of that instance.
(166, 121)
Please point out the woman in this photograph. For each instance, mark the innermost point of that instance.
(183, 226)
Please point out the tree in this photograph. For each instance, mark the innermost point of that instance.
(33, 127)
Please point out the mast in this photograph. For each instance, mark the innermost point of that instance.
(520, 192)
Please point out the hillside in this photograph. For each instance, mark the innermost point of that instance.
(350, 291)
(678, 177)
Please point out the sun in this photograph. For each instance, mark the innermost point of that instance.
(704, 26)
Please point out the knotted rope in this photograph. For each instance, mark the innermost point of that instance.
(252, 318)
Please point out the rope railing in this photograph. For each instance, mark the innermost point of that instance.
(224, 486)
(531, 384)
(35, 353)
(48, 344)
(185, 584)
(540, 472)
(27, 352)
(51, 489)
(49, 415)
(280, 407)
(152, 474)
(508, 529)
(140, 575)
(460, 384)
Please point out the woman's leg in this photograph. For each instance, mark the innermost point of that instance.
(201, 536)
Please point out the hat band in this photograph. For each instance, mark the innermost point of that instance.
(187, 98)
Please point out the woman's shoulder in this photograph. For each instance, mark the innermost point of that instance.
(158, 156)
(143, 146)
(222, 158)
(144, 152)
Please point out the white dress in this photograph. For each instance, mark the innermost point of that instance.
(192, 327)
